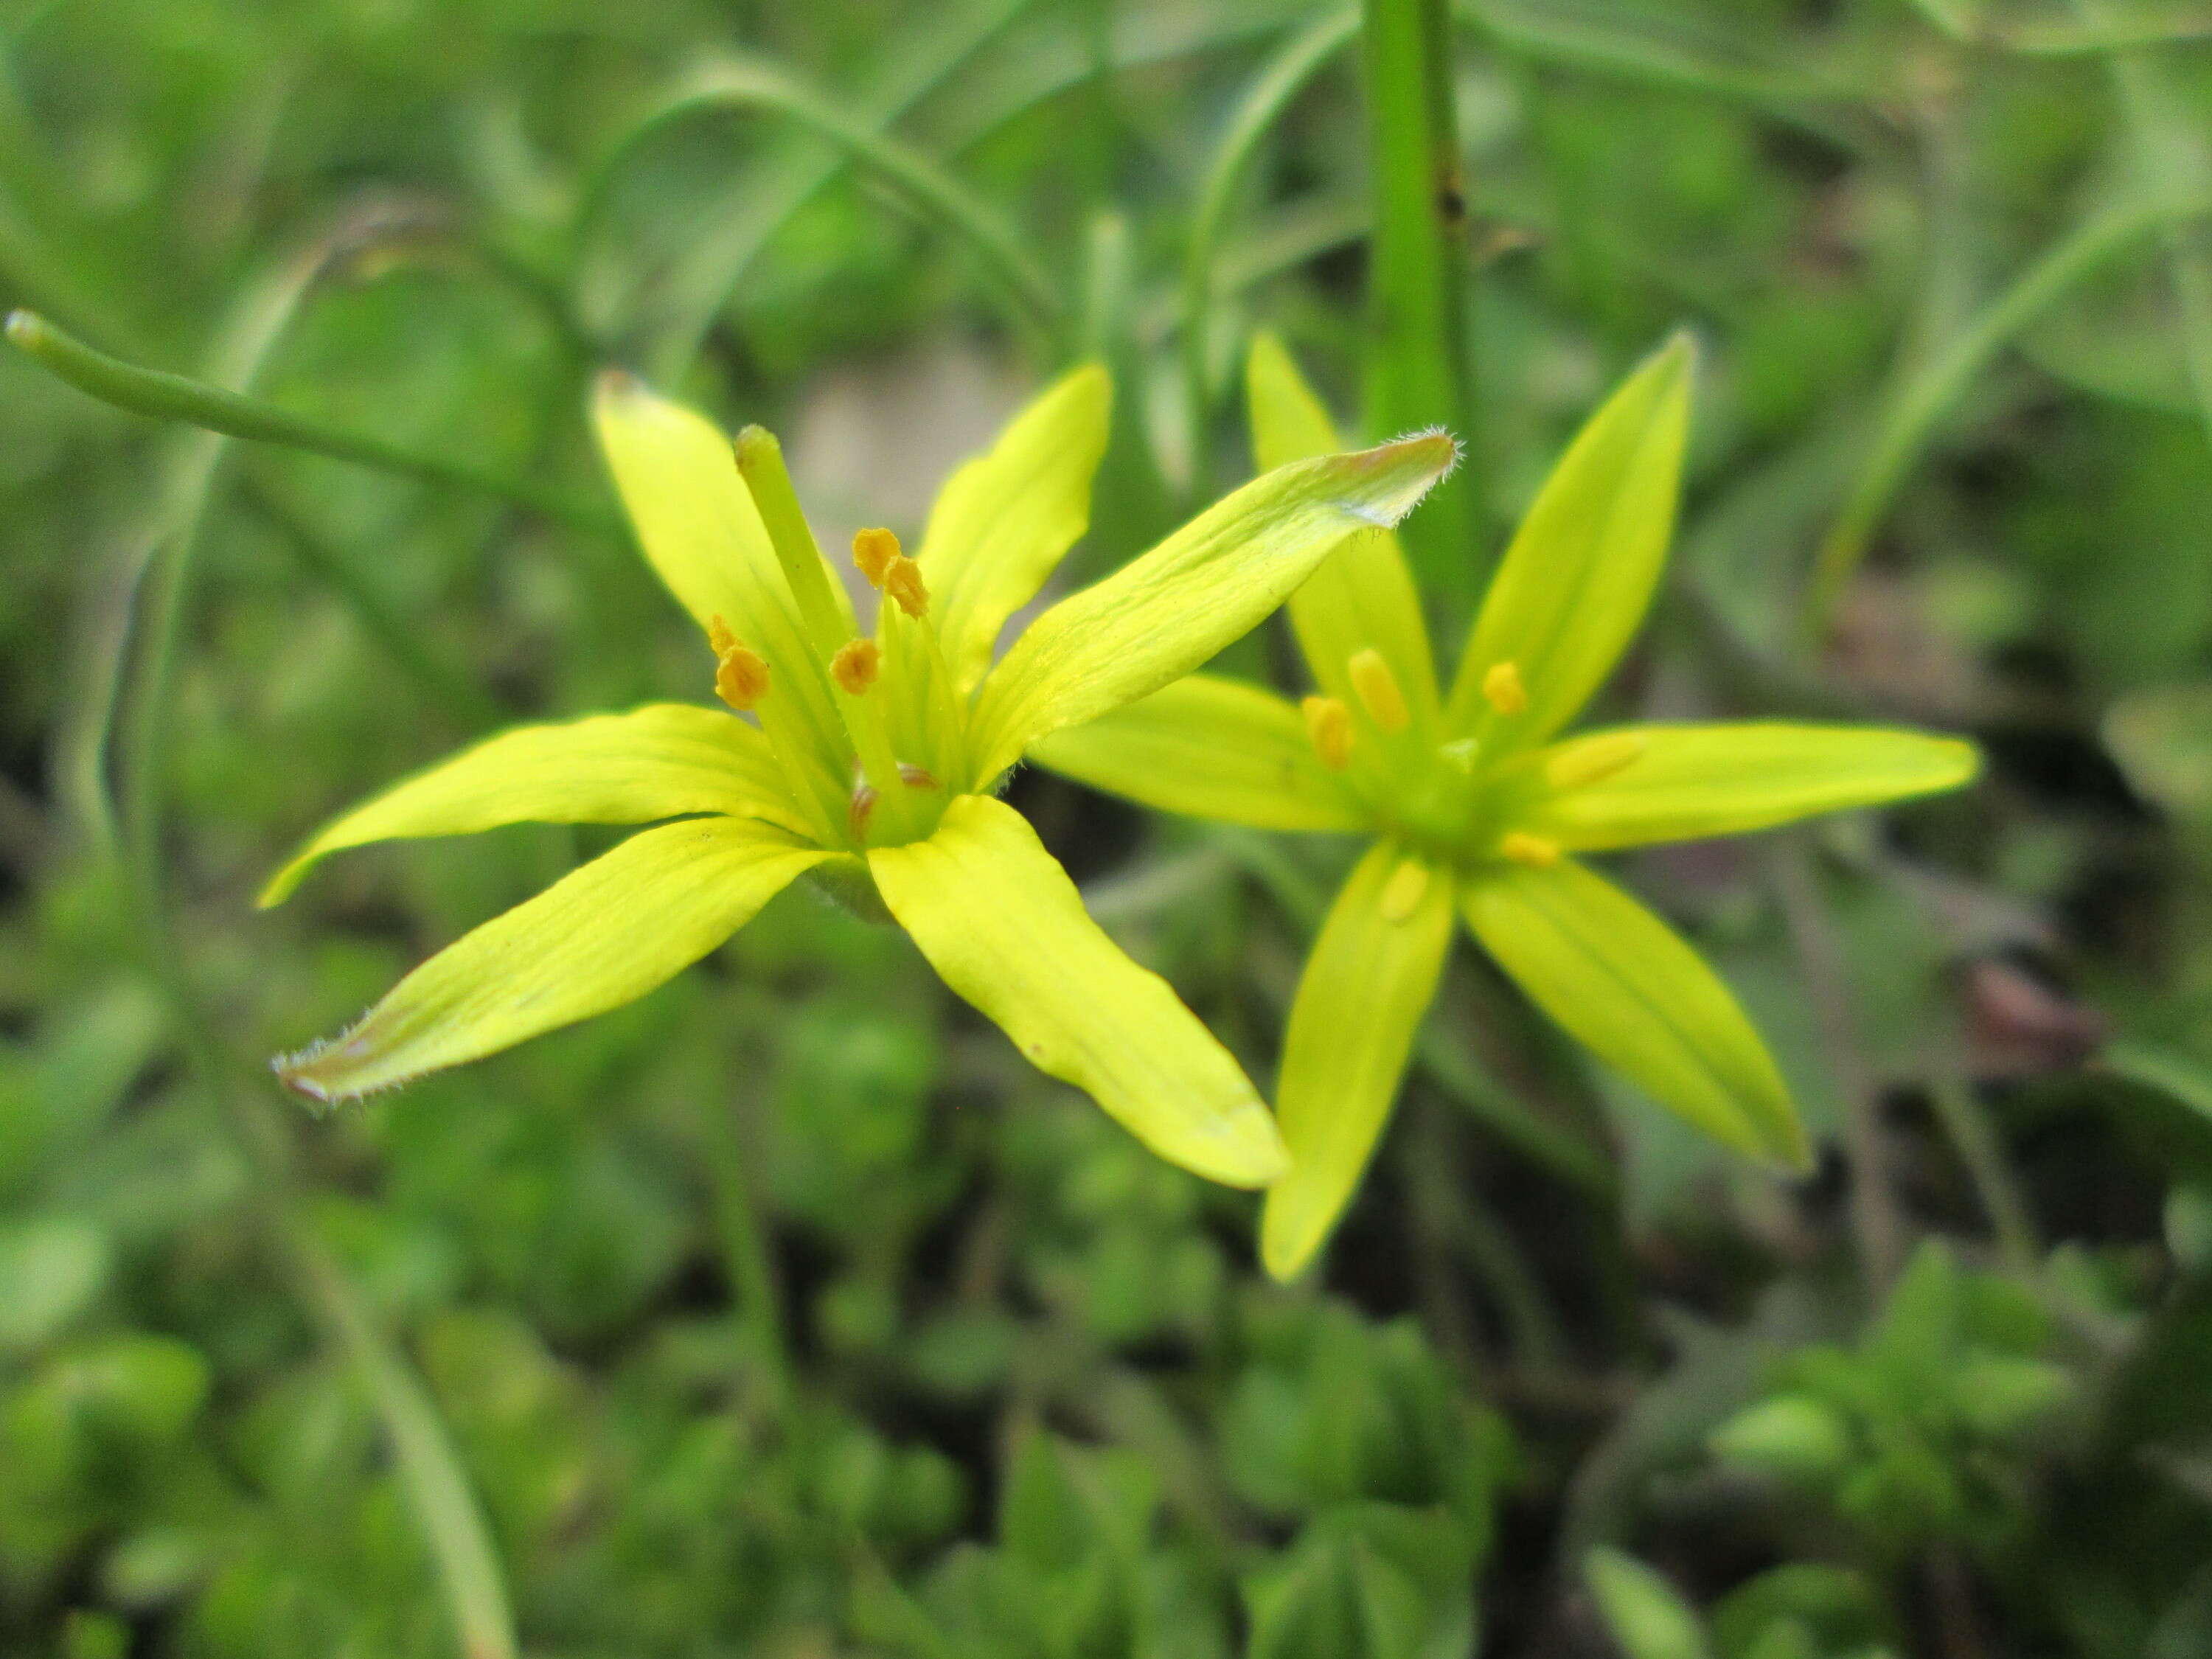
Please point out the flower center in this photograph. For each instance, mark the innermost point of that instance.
(1450, 802)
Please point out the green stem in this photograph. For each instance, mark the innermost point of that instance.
(1129, 506)
(429, 1467)
(460, 1545)
(1419, 370)
(1913, 413)
(2175, 159)
(1878, 1224)
(1281, 80)
(379, 618)
(771, 191)
(927, 188)
(165, 397)
(1974, 1138)
(1628, 47)
(745, 1255)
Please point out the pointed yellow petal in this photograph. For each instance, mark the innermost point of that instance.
(1212, 747)
(1631, 990)
(998, 917)
(1211, 582)
(1006, 518)
(602, 936)
(700, 530)
(1363, 597)
(1578, 576)
(1371, 977)
(663, 761)
(1687, 781)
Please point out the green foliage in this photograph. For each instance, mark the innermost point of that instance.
(1922, 1433)
(787, 1312)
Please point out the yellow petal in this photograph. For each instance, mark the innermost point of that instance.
(1578, 576)
(1627, 986)
(663, 761)
(602, 936)
(1005, 518)
(1211, 582)
(1686, 781)
(1212, 747)
(1000, 920)
(1363, 596)
(1371, 977)
(703, 535)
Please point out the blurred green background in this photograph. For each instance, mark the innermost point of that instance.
(787, 1312)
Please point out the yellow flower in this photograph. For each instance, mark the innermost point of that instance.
(1477, 807)
(872, 759)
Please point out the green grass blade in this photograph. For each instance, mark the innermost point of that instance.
(1911, 416)
(912, 66)
(1278, 81)
(932, 192)
(2174, 156)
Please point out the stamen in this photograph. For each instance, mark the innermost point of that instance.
(1502, 691)
(1460, 752)
(876, 554)
(1403, 892)
(741, 677)
(855, 665)
(873, 550)
(1328, 724)
(864, 805)
(1592, 759)
(1534, 851)
(1377, 689)
(917, 777)
(902, 582)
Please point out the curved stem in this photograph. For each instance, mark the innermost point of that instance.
(163, 396)
(147, 609)
(1281, 80)
(744, 83)
(715, 259)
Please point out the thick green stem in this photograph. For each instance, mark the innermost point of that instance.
(1418, 369)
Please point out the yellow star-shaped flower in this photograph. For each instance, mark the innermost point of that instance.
(869, 759)
(1477, 807)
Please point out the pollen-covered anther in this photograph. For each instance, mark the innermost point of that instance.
(1328, 725)
(1534, 851)
(1377, 689)
(873, 553)
(1593, 760)
(1403, 893)
(1502, 691)
(862, 809)
(902, 582)
(741, 677)
(917, 777)
(855, 665)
